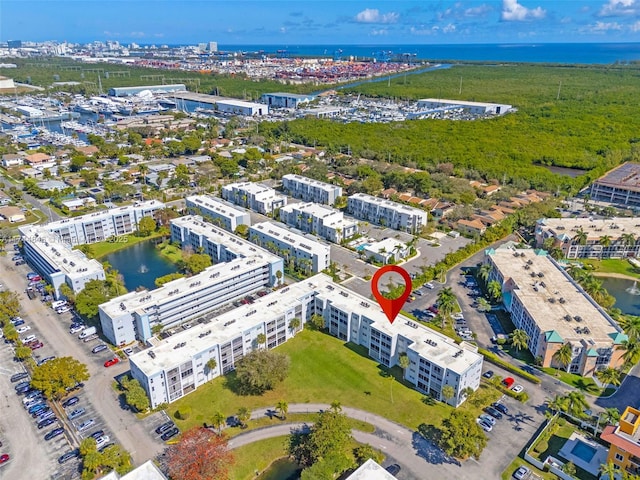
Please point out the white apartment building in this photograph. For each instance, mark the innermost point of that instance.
(386, 213)
(386, 251)
(99, 226)
(254, 196)
(56, 262)
(306, 254)
(591, 238)
(176, 366)
(319, 220)
(218, 212)
(554, 310)
(241, 268)
(311, 190)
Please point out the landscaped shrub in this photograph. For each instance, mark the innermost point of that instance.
(493, 358)
(183, 413)
(542, 446)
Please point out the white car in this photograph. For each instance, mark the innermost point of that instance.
(487, 418)
(63, 309)
(521, 473)
(457, 316)
(517, 389)
(128, 351)
(29, 338)
(102, 441)
(429, 285)
(486, 426)
(23, 328)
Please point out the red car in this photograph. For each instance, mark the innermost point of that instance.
(508, 382)
(433, 309)
(36, 345)
(111, 362)
(4, 458)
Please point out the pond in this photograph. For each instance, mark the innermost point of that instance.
(140, 265)
(626, 293)
(571, 172)
(281, 469)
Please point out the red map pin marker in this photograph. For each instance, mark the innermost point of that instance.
(391, 308)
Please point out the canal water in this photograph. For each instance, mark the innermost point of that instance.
(281, 469)
(140, 265)
(626, 293)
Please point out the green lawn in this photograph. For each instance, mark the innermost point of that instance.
(170, 252)
(613, 265)
(325, 369)
(257, 456)
(585, 384)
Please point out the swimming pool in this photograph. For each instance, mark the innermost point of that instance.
(362, 247)
(583, 451)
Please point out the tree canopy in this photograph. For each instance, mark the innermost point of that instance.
(461, 436)
(260, 370)
(200, 455)
(111, 458)
(146, 226)
(94, 293)
(55, 376)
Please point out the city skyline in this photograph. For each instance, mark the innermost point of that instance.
(322, 22)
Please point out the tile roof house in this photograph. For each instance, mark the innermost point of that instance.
(37, 158)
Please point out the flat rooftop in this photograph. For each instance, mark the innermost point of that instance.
(399, 207)
(239, 103)
(91, 217)
(553, 298)
(59, 254)
(296, 96)
(216, 205)
(446, 101)
(253, 188)
(625, 176)
(594, 229)
(310, 181)
(286, 235)
(441, 349)
(315, 209)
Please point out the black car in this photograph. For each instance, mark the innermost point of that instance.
(22, 385)
(393, 469)
(488, 374)
(68, 456)
(493, 412)
(77, 386)
(70, 401)
(170, 434)
(47, 422)
(36, 414)
(97, 434)
(164, 427)
(19, 376)
(23, 389)
(54, 433)
(500, 407)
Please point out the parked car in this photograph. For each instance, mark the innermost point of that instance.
(97, 434)
(46, 422)
(23, 390)
(170, 434)
(508, 382)
(70, 401)
(54, 433)
(429, 285)
(75, 328)
(488, 374)
(487, 418)
(493, 412)
(41, 411)
(521, 473)
(65, 457)
(517, 389)
(102, 441)
(22, 384)
(105, 446)
(18, 322)
(4, 458)
(418, 292)
(19, 376)
(86, 424)
(99, 348)
(111, 362)
(45, 416)
(433, 309)
(36, 345)
(23, 328)
(76, 413)
(63, 310)
(29, 338)
(486, 426)
(393, 469)
(19, 262)
(164, 427)
(128, 351)
(500, 407)
(38, 407)
(46, 359)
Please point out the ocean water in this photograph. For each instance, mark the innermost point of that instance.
(567, 53)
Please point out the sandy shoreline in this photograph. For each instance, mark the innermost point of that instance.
(615, 275)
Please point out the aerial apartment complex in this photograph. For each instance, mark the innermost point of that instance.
(589, 238)
(311, 190)
(99, 226)
(254, 196)
(176, 366)
(553, 310)
(624, 440)
(55, 260)
(306, 253)
(319, 220)
(218, 212)
(241, 268)
(386, 213)
(620, 185)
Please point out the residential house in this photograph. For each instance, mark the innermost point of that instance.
(624, 441)
(12, 214)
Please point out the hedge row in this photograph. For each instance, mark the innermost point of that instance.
(493, 358)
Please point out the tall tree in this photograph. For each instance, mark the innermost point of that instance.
(283, 407)
(199, 455)
(576, 404)
(580, 237)
(146, 226)
(260, 370)
(495, 290)
(520, 339)
(55, 376)
(448, 392)
(631, 348)
(563, 355)
(609, 376)
(461, 436)
(218, 421)
(403, 362)
(243, 414)
(484, 271)
(446, 301)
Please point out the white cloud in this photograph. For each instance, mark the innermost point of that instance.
(635, 27)
(449, 28)
(478, 11)
(373, 15)
(616, 8)
(513, 11)
(603, 27)
(378, 32)
(137, 34)
(422, 30)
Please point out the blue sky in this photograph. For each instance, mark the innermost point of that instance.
(285, 22)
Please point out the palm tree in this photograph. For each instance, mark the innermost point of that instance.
(580, 237)
(520, 339)
(336, 406)
(261, 338)
(608, 470)
(563, 355)
(628, 239)
(243, 416)
(483, 305)
(630, 325)
(294, 324)
(605, 240)
(143, 169)
(611, 415)
(211, 364)
(609, 376)
(403, 362)
(631, 349)
(448, 392)
(446, 301)
(218, 421)
(484, 271)
(557, 404)
(576, 403)
(283, 407)
(495, 290)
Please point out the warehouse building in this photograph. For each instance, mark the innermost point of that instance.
(475, 108)
(254, 196)
(218, 212)
(239, 107)
(177, 365)
(589, 238)
(319, 220)
(56, 262)
(310, 190)
(305, 254)
(286, 100)
(620, 186)
(130, 91)
(554, 310)
(105, 224)
(241, 268)
(386, 213)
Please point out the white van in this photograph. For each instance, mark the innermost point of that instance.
(58, 304)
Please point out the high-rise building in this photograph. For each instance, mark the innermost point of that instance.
(213, 46)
